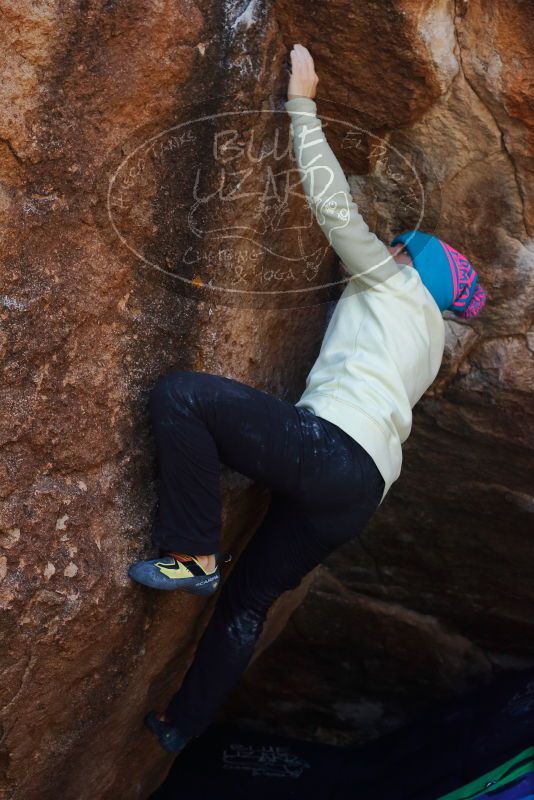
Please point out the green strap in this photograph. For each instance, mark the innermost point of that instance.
(498, 778)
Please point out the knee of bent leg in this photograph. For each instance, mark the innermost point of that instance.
(171, 390)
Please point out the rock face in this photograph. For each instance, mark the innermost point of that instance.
(90, 319)
(148, 226)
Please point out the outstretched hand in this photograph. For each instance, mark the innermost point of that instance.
(303, 81)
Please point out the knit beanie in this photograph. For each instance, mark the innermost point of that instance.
(446, 273)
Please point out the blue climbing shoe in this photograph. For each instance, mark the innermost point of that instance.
(169, 737)
(168, 573)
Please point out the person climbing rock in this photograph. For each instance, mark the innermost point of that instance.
(329, 459)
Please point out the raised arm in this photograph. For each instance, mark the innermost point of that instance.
(324, 183)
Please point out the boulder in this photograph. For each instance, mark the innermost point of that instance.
(149, 225)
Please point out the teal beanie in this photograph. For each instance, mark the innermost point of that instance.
(447, 274)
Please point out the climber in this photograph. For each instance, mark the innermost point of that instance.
(329, 459)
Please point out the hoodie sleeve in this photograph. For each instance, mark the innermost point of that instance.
(328, 195)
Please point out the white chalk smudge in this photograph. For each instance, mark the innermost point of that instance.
(70, 570)
(61, 522)
(437, 32)
(12, 303)
(246, 17)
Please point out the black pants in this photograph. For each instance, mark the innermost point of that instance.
(325, 488)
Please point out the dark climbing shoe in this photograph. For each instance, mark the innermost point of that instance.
(169, 737)
(168, 573)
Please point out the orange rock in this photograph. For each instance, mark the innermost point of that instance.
(113, 189)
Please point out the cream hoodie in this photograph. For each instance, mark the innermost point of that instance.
(383, 345)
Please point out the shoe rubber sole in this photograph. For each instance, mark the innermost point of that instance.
(146, 573)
